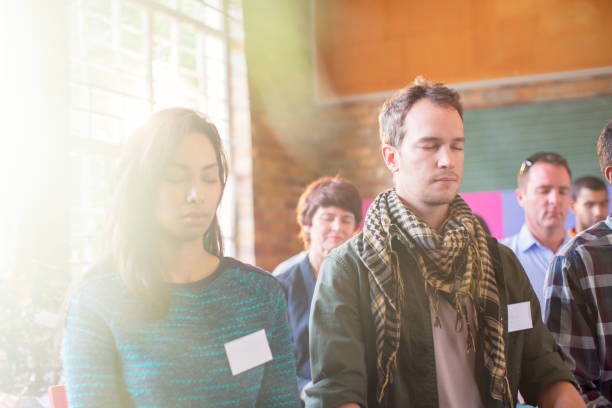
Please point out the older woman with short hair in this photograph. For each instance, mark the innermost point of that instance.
(329, 213)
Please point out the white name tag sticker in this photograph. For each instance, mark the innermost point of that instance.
(248, 352)
(519, 317)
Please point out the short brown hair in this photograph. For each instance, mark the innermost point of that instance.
(327, 192)
(604, 147)
(393, 112)
(540, 157)
(588, 182)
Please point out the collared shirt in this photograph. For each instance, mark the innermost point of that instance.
(579, 310)
(534, 257)
(299, 282)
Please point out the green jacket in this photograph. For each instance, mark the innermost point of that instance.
(342, 340)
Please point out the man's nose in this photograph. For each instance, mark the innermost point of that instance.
(444, 157)
(554, 196)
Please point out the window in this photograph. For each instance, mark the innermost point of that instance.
(129, 58)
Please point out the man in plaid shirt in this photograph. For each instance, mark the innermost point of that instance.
(579, 299)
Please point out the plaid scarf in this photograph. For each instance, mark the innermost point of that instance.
(455, 264)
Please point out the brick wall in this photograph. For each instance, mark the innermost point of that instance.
(295, 139)
(349, 144)
(349, 141)
(279, 176)
(283, 125)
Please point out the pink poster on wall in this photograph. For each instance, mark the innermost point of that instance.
(488, 205)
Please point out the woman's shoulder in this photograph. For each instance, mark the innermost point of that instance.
(249, 275)
(100, 280)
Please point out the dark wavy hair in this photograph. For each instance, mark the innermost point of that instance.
(326, 192)
(133, 234)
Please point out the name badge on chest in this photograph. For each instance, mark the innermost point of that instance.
(519, 316)
(248, 352)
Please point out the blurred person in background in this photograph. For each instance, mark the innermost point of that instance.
(589, 202)
(329, 213)
(544, 193)
(162, 319)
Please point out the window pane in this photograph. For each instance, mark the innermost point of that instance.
(102, 7)
(189, 81)
(171, 4)
(134, 85)
(236, 31)
(215, 48)
(216, 83)
(133, 64)
(187, 36)
(79, 123)
(106, 128)
(79, 96)
(218, 4)
(100, 54)
(161, 50)
(132, 16)
(161, 26)
(234, 9)
(214, 19)
(132, 41)
(102, 77)
(193, 9)
(98, 30)
(218, 109)
(116, 80)
(187, 60)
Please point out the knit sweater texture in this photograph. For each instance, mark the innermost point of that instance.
(114, 356)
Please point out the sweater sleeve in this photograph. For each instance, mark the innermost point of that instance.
(89, 356)
(279, 386)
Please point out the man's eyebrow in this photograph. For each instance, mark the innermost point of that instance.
(552, 186)
(438, 139)
(428, 139)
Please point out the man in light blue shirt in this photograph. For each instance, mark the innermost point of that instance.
(544, 193)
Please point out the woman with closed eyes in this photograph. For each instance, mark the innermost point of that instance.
(158, 322)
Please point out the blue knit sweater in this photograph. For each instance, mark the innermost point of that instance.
(114, 357)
